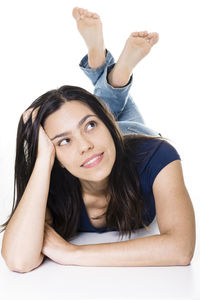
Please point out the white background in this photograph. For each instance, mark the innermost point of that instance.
(41, 49)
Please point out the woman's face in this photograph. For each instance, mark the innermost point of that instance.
(78, 135)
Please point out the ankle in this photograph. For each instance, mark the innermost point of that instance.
(118, 79)
(96, 57)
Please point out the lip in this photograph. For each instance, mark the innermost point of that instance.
(91, 157)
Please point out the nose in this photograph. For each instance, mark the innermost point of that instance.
(84, 144)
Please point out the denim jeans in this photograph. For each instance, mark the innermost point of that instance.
(118, 100)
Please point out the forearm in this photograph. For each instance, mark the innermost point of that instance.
(156, 250)
(23, 238)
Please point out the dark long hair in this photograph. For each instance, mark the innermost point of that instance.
(125, 208)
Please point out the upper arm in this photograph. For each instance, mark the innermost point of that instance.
(174, 210)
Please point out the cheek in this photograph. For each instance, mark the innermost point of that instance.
(111, 143)
(61, 155)
(66, 158)
(113, 152)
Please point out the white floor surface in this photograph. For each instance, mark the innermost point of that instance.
(54, 281)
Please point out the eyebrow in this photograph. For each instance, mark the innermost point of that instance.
(78, 126)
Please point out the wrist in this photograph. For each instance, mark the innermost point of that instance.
(44, 162)
(68, 254)
(77, 255)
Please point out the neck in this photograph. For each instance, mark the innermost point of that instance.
(94, 188)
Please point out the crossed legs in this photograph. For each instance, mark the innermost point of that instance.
(99, 66)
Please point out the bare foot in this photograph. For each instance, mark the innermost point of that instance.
(136, 47)
(90, 28)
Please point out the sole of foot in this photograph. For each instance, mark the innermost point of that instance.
(90, 27)
(137, 46)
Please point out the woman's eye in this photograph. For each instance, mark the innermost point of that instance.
(93, 123)
(64, 142)
(89, 126)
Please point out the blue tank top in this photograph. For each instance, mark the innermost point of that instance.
(158, 154)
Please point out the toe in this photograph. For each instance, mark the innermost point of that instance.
(85, 12)
(153, 38)
(75, 13)
(142, 33)
(145, 33)
(135, 34)
(81, 11)
(150, 35)
(95, 16)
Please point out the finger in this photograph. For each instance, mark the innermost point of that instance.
(26, 115)
(34, 114)
(28, 112)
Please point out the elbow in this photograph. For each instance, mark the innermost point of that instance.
(185, 256)
(11, 264)
(20, 266)
(182, 250)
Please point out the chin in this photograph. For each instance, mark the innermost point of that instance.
(99, 176)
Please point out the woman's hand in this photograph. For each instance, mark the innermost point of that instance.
(26, 114)
(58, 249)
(45, 146)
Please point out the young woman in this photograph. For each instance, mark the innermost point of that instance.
(88, 162)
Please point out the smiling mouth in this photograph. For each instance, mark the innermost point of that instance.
(93, 162)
